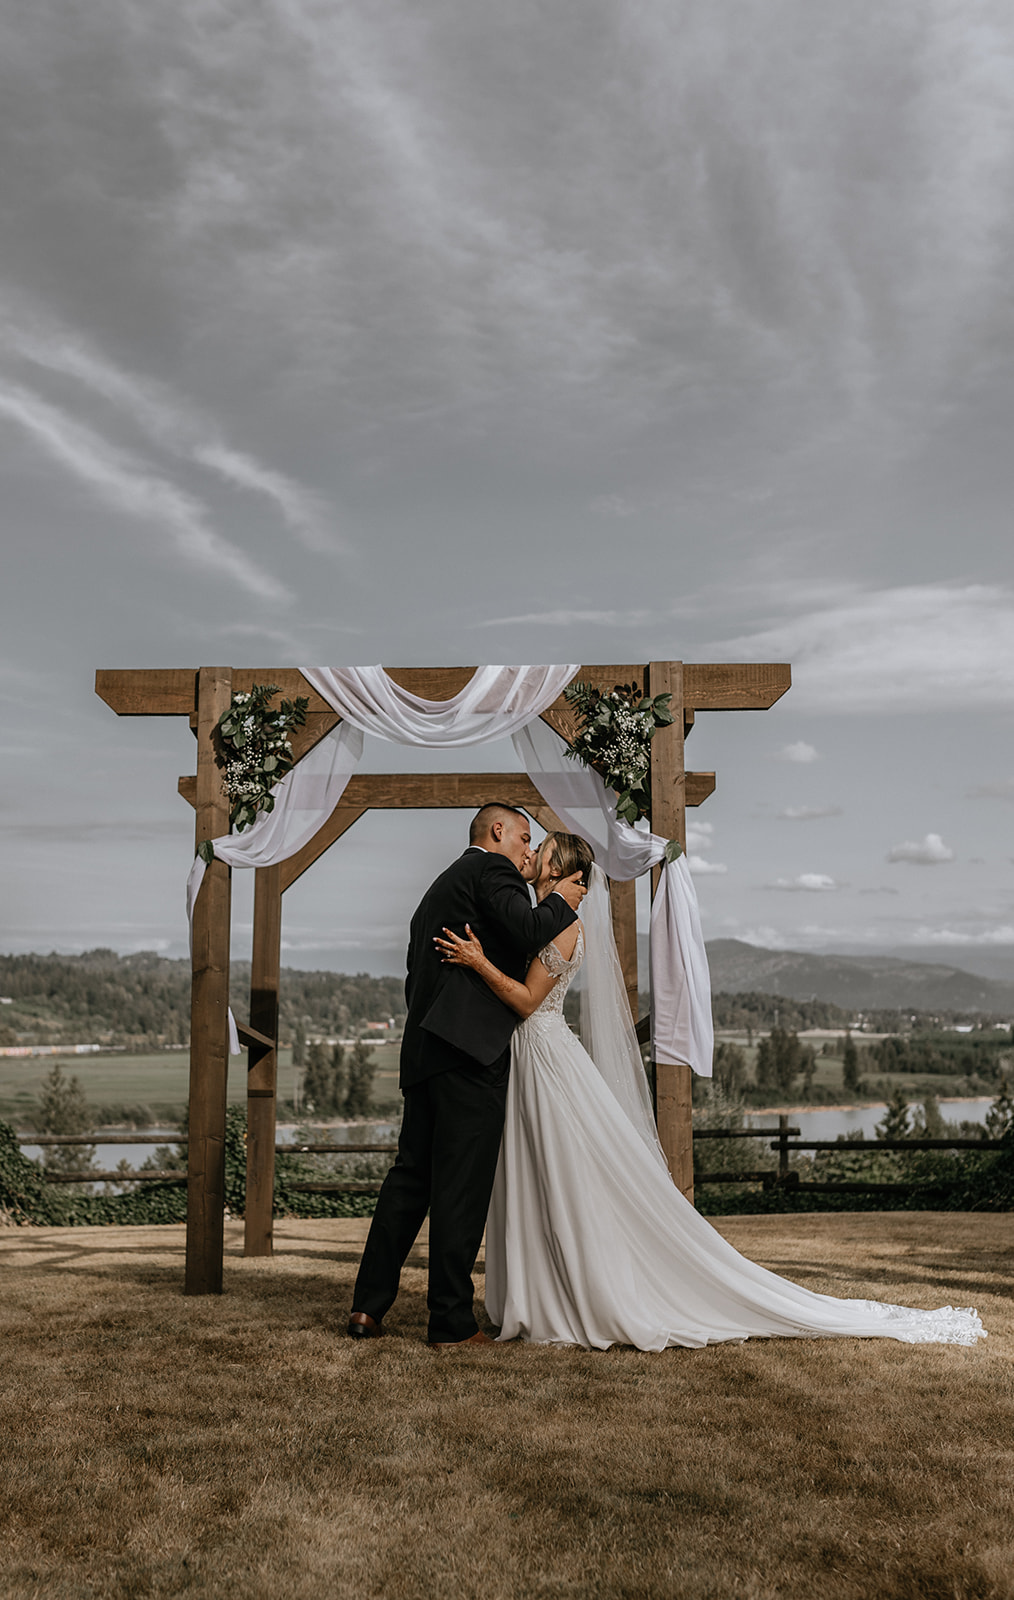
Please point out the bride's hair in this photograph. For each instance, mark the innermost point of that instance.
(569, 853)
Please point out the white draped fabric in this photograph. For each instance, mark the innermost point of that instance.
(496, 702)
(682, 1027)
(607, 1031)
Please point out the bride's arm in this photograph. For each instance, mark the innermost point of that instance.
(523, 998)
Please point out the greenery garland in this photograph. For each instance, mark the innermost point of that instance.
(618, 726)
(255, 750)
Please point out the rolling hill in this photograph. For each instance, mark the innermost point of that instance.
(862, 983)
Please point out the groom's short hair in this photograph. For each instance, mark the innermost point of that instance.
(492, 811)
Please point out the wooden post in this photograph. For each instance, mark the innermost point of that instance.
(668, 817)
(262, 1075)
(209, 1003)
(783, 1147)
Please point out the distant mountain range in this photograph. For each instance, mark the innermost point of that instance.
(861, 983)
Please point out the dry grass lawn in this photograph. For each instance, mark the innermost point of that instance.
(156, 1446)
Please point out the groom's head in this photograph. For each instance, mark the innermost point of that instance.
(503, 830)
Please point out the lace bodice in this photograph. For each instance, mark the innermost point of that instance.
(554, 963)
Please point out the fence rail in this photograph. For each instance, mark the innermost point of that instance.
(784, 1144)
(785, 1178)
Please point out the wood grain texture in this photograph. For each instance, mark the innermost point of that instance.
(668, 817)
(149, 692)
(431, 790)
(262, 1068)
(709, 686)
(209, 1002)
(735, 685)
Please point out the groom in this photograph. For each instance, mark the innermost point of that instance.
(455, 1060)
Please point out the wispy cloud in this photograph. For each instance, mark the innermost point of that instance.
(1001, 790)
(612, 505)
(700, 834)
(1003, 935)
(808, 813)
(564, 618)
(927, 852)
(700, 866)
(130, 487)
(916, 648)
(806, 882)
(171, 421)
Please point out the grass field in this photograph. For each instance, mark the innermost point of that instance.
(158, 1081)
(156, 1446)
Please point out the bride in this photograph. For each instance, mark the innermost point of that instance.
(588, 1240)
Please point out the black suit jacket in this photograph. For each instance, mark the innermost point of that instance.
(452, 1003)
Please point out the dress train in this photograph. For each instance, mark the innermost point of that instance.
(589, 1242)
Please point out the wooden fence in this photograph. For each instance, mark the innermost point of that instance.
(786, 1141)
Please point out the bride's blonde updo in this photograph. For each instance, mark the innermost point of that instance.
(569, 854)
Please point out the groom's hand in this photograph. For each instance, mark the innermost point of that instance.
(573, 890)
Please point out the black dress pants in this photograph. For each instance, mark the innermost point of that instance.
(446, 1163)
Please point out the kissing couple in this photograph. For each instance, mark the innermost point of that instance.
(512, 1126)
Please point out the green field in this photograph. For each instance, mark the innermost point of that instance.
(158, 1082)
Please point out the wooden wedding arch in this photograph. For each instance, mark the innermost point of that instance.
(203, 695)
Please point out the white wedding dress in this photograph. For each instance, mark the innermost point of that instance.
(589, 1242)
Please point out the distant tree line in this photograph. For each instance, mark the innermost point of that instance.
(944, 1055)
(759, 1012)
(143, 1000)
(753, 1010)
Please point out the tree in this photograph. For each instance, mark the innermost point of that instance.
(809, 1059)
(359, 1095)
(928, 1123)
(895, 1121)
(765, 1071)
(851, 1081)
(1000, 1116)
(317, 1079)
(788, 1058)
(779, 1059)
(729, 1069)
(63, 1109)
(299, 1044)
(325, 1082)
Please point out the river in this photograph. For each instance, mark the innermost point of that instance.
(827, 1122)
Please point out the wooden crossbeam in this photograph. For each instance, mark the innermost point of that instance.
(707, 686)
(249, 1036)
(401, 791)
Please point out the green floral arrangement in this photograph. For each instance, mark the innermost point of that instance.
(256, 750)
(617, 727)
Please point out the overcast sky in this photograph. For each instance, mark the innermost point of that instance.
(461, 332)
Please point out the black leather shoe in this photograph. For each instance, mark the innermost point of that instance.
(362, 1326)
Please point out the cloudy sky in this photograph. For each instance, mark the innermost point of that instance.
(435, 334)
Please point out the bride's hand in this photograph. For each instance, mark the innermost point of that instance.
(459, 952)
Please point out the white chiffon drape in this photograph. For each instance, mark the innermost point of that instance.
(589, 1242)
(681, 1021)
(497, 702)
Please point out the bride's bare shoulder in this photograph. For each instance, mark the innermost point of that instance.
(566, 942)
